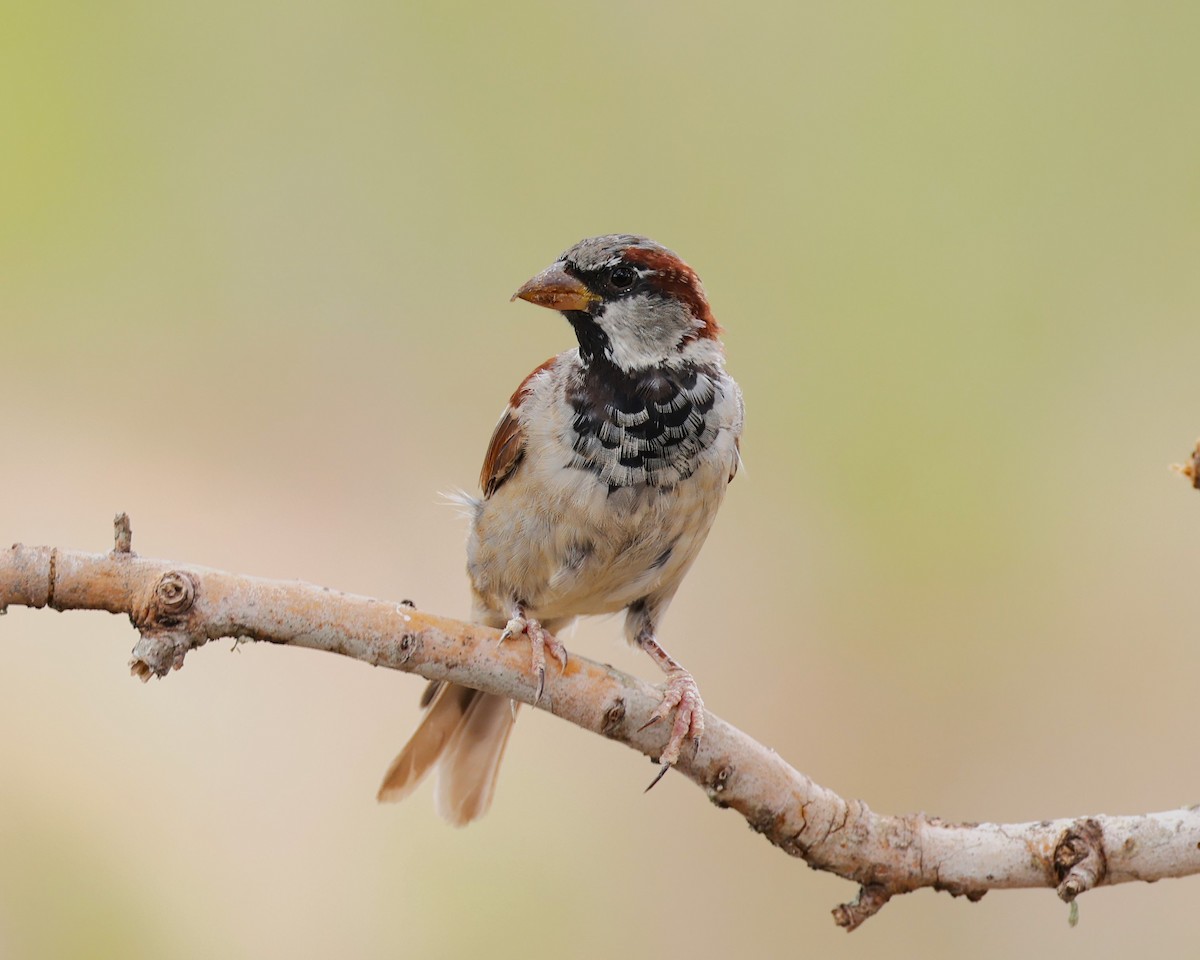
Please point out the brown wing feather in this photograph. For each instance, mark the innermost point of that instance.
(503, 453)
(507, 445)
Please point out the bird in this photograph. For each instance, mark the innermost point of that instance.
(599, 486)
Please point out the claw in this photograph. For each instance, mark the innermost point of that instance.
(662, 772)
(541, 686)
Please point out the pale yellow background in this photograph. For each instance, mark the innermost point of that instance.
(255, 261)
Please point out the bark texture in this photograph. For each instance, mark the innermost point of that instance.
(178, 607)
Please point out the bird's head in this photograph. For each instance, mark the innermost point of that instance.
(633, 303)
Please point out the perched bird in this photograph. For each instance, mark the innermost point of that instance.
(600, 484)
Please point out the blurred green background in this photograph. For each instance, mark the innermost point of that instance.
(255, 260)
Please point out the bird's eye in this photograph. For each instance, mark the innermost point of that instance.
(621, 278)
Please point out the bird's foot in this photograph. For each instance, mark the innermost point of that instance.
(683, 696)
(541, 641)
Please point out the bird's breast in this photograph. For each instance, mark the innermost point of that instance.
(615, 494)
(648, 429)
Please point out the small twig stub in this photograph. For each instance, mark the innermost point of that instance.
(122, 534)
(1191, 469)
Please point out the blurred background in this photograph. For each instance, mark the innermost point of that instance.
(255, 261)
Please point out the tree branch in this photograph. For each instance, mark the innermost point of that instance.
(178, 607)
(1191, 469)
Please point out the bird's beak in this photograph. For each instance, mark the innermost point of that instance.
(556, 289)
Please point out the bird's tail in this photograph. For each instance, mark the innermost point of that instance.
(463, 735)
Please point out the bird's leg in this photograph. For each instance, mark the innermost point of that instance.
(681, 695)
(540, 641)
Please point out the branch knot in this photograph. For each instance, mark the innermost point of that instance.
(165, 641)
(174, 595)
(1079, 860)
(614, 718)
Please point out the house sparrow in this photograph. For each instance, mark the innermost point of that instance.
(600, 484)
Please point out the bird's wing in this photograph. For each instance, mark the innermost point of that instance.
(507, 446)
(504, 452)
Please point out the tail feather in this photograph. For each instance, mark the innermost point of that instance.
(468, 770)
(428, 741)
(463, 735)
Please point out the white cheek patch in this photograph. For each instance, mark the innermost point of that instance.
(645, 331)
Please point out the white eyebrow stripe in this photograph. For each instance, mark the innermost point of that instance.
(616, 261)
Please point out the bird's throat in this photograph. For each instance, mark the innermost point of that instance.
(593, 342)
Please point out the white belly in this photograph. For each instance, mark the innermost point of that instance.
(555, 539)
